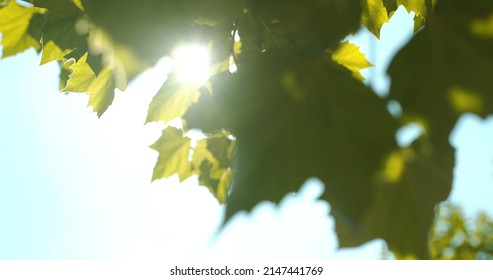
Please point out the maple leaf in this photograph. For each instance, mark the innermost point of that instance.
(172, 100)
(60, 33)
(174, 150)
(101, 88)
(374, 15)
(212, 160)
(350, 56)
(14, 24)
(446, 63)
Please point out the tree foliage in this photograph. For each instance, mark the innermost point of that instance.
(454, 238)
(295, 107)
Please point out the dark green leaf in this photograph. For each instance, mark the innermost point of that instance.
(293, 120)
(446, 69)
(312, 25)
(391, 6)
(60, 33)
(403, 210)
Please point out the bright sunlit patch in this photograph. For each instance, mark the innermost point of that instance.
(191, 64)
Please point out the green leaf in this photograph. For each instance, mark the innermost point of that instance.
(14, 24)
(419, 7)
(419, 22)
(319, 122)
(174, 150)
(61, 36)
(64, 72)
(391, 6)
(172, 100)
(101, 88)
(350, 56)
(294, 120)
(374, 15)
(404, 208)
(78, 4)
(311, 25)
(448, 64)
(443, 72)
(212, 159)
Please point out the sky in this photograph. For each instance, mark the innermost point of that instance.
(73, 186)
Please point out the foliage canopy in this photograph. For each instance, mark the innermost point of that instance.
(295, 107)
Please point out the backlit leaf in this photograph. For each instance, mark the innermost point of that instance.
(374, 15)
(101, 88)
(14, 24)
(174, 149)
(78, 4)
(350, 56)
(172, 100)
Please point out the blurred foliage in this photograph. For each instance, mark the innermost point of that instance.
(456, 238)
(295, 106)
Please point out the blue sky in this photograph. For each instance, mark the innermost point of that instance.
(74, 186)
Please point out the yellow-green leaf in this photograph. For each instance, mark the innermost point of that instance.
(102, 91)
(419, 21)
(14, 23)
(52, 52)
(78, 4)
(174, 149)
(420, 10)
(350, 56)
(172, 100)
(101, 88)
(374, 15)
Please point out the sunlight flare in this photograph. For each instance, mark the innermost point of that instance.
(191, 64)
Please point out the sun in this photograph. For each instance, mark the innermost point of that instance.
(191, 63)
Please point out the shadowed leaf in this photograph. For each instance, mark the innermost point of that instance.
(212, 160)
(60, 33)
